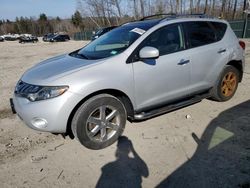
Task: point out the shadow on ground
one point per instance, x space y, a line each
222 158
126 171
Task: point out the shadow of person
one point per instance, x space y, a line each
222 158
126 171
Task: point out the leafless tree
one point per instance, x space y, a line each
117 4
223 4
206 7
177 6
191 6
136 15
244 5
234 11
142 8
108 12
198 6
213 7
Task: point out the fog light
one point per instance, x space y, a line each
39 123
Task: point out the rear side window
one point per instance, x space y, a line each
199 34
220 29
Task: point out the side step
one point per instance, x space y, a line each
170 107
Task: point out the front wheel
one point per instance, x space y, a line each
227 84
99 121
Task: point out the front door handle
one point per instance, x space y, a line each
183 62
222 51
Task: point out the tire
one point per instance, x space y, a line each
99 121
226 85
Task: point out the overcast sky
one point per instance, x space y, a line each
10 9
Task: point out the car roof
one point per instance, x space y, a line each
147 22
111 27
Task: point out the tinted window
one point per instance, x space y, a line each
199 34
220 29
167 40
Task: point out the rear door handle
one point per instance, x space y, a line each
222 51
183 62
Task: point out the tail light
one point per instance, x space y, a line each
242 44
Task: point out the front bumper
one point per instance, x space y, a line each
49 115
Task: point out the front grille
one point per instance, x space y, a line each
23 88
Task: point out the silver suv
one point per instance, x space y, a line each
137 71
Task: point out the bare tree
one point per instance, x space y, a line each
118 15
118 7
142 8
106 12
191 6
135 9
229 6
235 6
171 5
177 6
159 9
244 5
213 7
206 7
223 4
99 11
181 6
198 6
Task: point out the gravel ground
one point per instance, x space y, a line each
203 145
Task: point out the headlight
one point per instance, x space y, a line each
47 93
37 93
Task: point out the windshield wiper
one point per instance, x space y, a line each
81 56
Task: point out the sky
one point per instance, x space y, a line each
10 9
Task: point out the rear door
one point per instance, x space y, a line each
207 51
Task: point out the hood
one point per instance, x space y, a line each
54 68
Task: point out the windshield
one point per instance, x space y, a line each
114 42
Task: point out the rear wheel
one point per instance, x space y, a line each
99 121
227 84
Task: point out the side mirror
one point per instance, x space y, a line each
149 52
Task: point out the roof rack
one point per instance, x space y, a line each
169 16
173 15
195 15
157 15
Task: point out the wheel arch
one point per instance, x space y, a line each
239 66
116 93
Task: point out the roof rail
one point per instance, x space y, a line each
157 15
195 15
173 15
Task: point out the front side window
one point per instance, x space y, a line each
167 39
199 34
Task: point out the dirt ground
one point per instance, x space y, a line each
203 145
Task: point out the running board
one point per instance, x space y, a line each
170 107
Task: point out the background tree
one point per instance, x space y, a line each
77 20
93 14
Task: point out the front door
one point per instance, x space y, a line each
166 78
